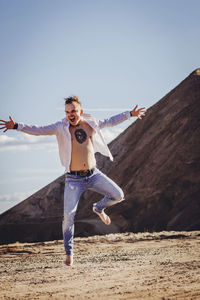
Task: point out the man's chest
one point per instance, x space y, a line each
81 135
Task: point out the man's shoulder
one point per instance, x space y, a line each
63 122
90 120
60 125
86 125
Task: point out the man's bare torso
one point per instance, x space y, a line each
82 157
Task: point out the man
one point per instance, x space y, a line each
79 137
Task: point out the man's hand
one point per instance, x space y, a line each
7 124
139 113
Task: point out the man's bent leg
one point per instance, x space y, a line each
72 192
102 184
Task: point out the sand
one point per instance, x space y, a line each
163 265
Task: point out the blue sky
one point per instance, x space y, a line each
112 54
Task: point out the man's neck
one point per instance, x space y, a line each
74 126
77 125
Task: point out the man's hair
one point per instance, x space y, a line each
71 99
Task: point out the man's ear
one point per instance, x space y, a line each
81 112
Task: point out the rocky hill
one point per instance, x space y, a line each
157 164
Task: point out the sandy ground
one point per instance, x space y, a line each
163 265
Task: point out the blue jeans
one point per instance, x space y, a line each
74 187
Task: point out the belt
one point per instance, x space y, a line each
82 173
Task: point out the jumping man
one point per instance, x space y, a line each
79 137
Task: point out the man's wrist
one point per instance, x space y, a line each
15 126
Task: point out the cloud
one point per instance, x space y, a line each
25 142
29 178
35 175
15 197
9 200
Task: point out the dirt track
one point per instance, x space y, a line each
162 265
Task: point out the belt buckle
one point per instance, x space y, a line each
83 173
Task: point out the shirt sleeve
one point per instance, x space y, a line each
38 130
114 120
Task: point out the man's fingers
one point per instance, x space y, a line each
5 130
135 107
11 119
140 116
3 127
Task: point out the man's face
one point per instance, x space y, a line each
73 113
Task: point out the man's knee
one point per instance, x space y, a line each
119 196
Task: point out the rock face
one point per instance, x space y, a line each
157 164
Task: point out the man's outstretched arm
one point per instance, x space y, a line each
115 120
29 129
